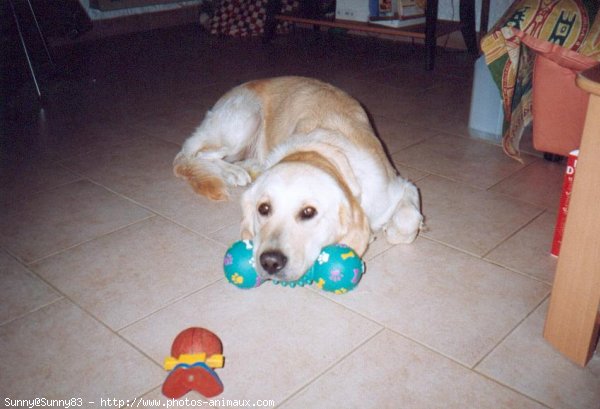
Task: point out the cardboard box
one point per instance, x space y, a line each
388 8
362 10
353 10
409 9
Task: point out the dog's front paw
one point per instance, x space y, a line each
252 166
235 175
180 164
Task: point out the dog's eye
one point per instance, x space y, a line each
308 213
264 209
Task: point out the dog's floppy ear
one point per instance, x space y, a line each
339 159
355 231
247 225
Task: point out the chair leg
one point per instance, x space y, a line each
39 30
26 51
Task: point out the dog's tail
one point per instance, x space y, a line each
202 175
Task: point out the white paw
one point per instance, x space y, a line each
404 226
252 166
236 176
394 236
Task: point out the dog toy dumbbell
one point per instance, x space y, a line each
338 268
194 355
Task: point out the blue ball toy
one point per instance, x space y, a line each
338 268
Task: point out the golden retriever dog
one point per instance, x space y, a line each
321 175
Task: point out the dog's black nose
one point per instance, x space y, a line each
273 261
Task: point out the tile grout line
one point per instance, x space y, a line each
514 270
150 209
439 352
29 195
415 341
508 237
92 316
169 304
460 182
538 305
473 369
465 252
115 332
59 297
512 174
65 249
330 367
491 351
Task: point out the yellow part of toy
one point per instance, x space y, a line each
213 361
237 279
348 255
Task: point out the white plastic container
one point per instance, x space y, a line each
486 115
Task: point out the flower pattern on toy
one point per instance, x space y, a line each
239 266
338 268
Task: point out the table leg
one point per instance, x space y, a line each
431 14
485 17
467 25
272 8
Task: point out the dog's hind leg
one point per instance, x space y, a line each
227 134
407 220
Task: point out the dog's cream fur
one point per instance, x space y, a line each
316 154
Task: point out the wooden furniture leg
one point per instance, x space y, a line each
467 25
467 28
271 9
572 322
485 17
431 14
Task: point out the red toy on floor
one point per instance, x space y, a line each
194 354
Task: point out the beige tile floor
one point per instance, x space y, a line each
105 256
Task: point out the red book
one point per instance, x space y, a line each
564 202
